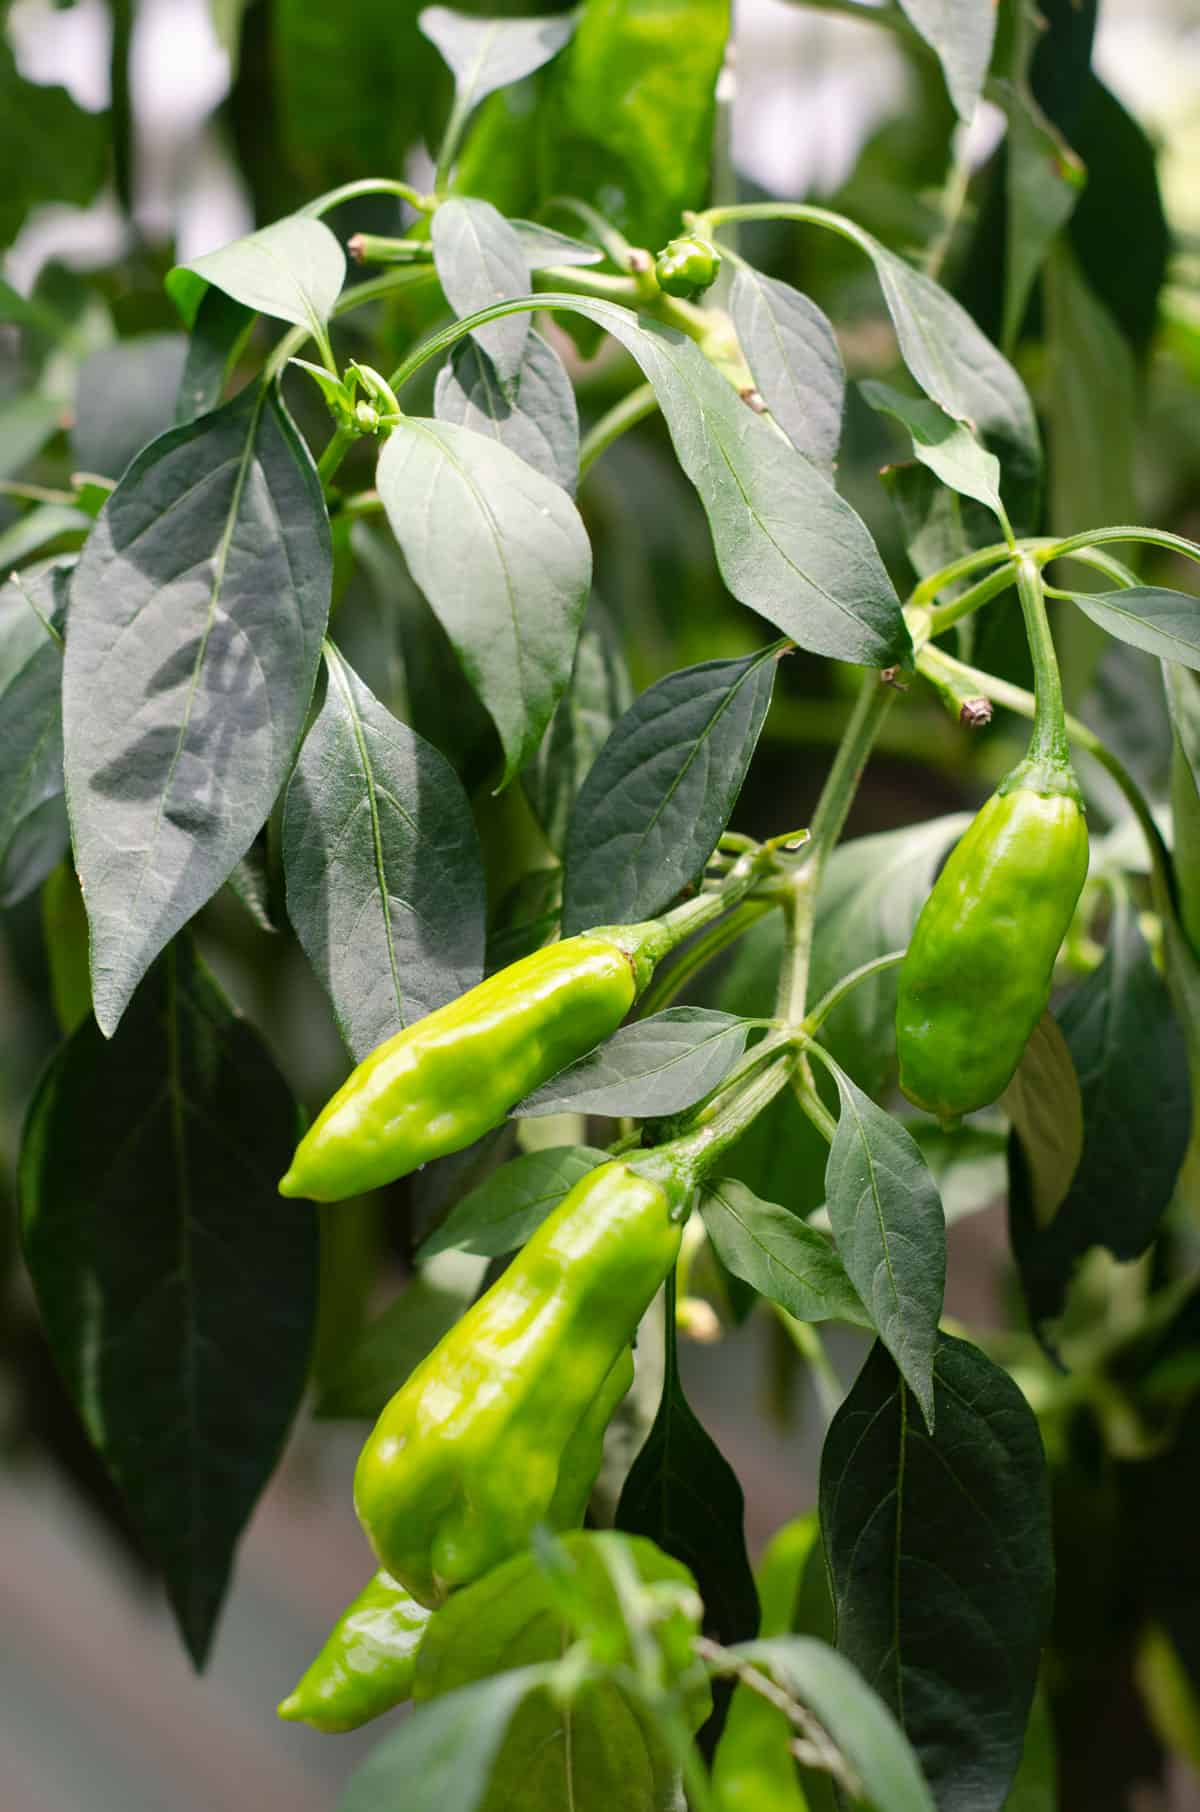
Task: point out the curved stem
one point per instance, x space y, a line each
339 444
623 415
814 1019
927 589
943 616
1016 698
369 185
1055 550
695 1153
1048 744
667 983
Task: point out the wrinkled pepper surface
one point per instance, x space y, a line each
367 1662
500 1426
444 1081
977 975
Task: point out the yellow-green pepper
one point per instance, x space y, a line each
447 1079
367 1662
977 975
499 1428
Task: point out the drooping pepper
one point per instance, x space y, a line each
448 1078
499 1428
367 1662
978 971
687 266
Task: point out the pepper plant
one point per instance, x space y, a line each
316 664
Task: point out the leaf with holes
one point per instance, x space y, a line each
197 611
653 806
177 1290
384 877
503 558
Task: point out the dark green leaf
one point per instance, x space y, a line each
660 793
860 1723
124 397
177 1290
526 918
790 347
397 1340
1091 401
534 416
628 120
442 1756
599 694
219 331
946 446
197 611
50 149
887 1219
504 1210
486 54
502 556
961 34
384 878
479 261
1043 183
655 1066
33 816
1165 623
292 270
684 1495
940 1558
779 1255
787 545
1129 1050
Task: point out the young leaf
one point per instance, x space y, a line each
505 1209
1130 1054
544 247
1045 1107
177 1290
949 449
384 878
443 1755
1165 623
33 816
779 1255
787 545
197 611
534 416
790 347
502 556
887 1219
684 1495
599 694
960 32
940 1558
292 270
650 812
860 1722
656 1066
486 54
480 261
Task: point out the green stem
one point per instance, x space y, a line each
695 1153
375 289
816 1109
1055 550
943 616
370 185
927 590
667 983
339 444
456 125
624 415
375 248
748 871
578 280
814 1019
1048 745
1016 698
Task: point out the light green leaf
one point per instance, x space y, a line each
961 34
480 260
486 54
292 270
779 1255
946 446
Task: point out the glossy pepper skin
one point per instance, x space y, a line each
977 975
447 1079
499 1427
687 266
367 1662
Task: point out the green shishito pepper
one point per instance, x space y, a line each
367 1662
499 1428
686 266
977 975
447 1079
